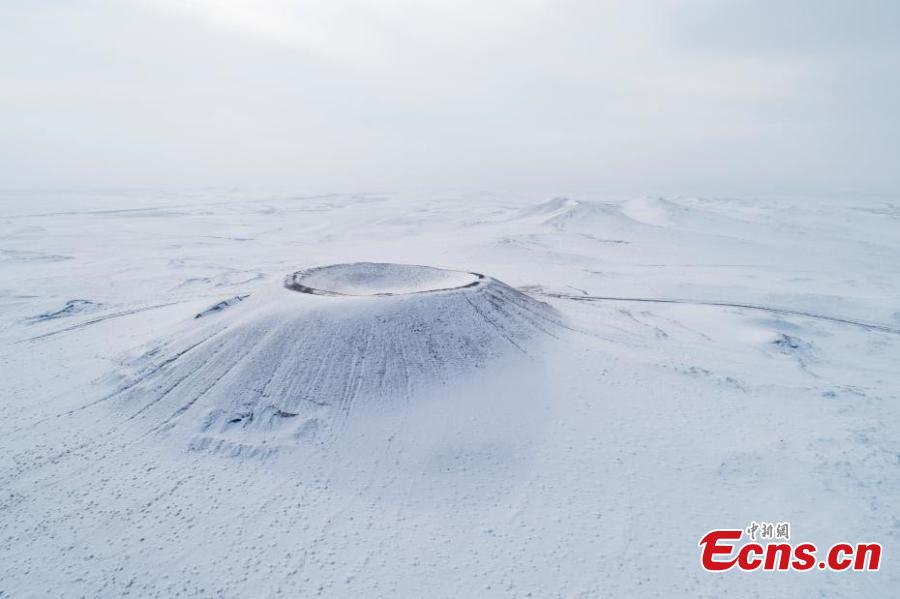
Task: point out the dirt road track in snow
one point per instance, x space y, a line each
98 319
657 300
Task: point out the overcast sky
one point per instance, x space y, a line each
692 96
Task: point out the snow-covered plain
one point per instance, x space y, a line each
695 364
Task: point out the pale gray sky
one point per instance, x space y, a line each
661 96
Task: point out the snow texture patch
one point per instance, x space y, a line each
71 307
216 308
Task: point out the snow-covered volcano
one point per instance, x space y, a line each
436 433
291 362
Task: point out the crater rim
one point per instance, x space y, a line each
379 279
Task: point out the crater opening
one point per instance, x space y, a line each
378 279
